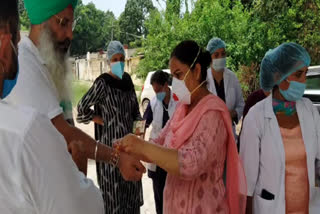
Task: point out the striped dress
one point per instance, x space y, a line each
116 102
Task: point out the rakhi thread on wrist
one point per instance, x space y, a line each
115 156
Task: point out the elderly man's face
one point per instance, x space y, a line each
61 28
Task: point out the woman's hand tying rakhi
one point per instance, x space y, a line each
134 146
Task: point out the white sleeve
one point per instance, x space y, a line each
54 183
316 118
35 90
250 150
239 99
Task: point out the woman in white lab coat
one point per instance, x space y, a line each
280 138
222 82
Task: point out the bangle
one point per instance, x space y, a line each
96 151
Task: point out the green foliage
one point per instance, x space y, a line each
248 78
94 29
79 89
24 20
292 20
249 27
228 21
131 21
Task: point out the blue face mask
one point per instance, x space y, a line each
117 69
8 85
161 96
294 92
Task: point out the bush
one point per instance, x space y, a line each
248 78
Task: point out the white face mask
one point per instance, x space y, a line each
180 89
219 64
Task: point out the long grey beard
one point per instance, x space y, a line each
57 63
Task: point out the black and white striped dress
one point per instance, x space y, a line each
116 102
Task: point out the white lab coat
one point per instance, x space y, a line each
157 111
232 90
263 155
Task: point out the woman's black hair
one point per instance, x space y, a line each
160 77
187 51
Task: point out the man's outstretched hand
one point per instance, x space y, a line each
130 167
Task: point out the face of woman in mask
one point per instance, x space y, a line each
117 65
219 60
183 75
293 87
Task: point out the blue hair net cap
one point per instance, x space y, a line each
281 62
115 47
215 44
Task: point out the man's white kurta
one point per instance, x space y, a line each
34 87
37 174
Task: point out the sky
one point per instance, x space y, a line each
116 6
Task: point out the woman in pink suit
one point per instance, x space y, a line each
196 143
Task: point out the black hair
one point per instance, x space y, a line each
9 15
187 51
160 77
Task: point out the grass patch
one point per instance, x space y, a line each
79 88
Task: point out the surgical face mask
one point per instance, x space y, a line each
117 69
294 92
219 64
161 96
8 85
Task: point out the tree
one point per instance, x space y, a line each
166 30
24 19
94 29
173 8
132 20
249 27
291 20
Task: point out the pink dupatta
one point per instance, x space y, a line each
183 126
